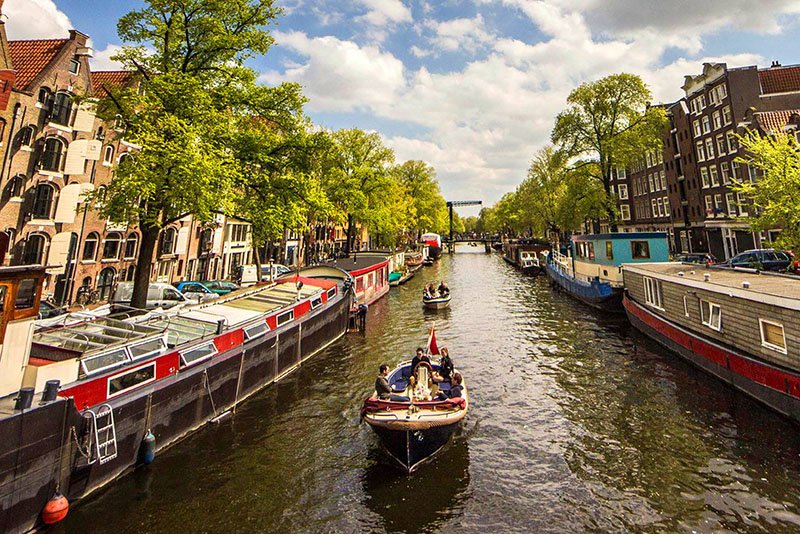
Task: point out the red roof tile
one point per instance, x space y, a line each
775 121
30 58
780 79
104 79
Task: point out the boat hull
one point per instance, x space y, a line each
411 448
776 387
600 296
436 304
171 408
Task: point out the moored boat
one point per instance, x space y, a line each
370 272
738 325
592 272
525 254
417 420
118 389
433 242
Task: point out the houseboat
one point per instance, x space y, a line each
83 402
526 254
741 326
432 244
591 270
370 272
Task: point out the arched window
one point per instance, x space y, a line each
206 240
111 246
131 244
43 201
34 250
101 194
122 157
26 136
108 154
168 241
13 188
105 282
130 273
90 247
62 108
53 154
86 282
45 96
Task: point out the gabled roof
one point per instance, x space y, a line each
103 80
30 58
775 121
780 79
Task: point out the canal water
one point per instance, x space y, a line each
577 422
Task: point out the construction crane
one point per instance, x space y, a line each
456 204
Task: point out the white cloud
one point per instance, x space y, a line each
385 12
465 33
420 52
102 58
35 19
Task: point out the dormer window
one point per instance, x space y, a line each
74 66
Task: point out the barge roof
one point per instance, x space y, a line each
361 261
727 280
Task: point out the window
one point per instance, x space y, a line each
74 66
718 204
256 330
237 232
717 119
131 244
663 177
198 353
105 282
652 292
26 136
731 204
726 173
621 174
722 147
711 315
701 102
706 124
103 362
623 192
62 109
697 130
111 246
316 302
610 250
772 336
723 90
733 145
45 97
122 157
625 212
52 155
660 204
709 205
108 155
168 240
727 118
284 318
742 206
640 250
331 293
14 187
685 297
42 201
704 176
654 207
90 247
752 173
666 206
26 294
147 348
714 176
701 151
709 148
134 378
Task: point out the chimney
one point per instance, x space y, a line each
775 63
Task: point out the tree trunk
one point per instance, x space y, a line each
256 254
141 280
348 244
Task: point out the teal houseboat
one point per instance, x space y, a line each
591 271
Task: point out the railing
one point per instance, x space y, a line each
562 263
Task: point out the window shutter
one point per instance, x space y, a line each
76 157
93 149
84 118
68 203
59 252
183 240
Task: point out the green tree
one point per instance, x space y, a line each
776 194
608 124
189 56
430 209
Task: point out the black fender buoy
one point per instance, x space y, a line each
147 450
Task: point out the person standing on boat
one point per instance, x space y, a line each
383 389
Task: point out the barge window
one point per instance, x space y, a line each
284 318
652 292
101 362
26 294
256 330
133 378
316 302
640 250
610 250
772 336
711 315
331 293
148 348
199 353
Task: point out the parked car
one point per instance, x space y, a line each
221 287
696 257
159 295
766 259
246 274
196 291
48 310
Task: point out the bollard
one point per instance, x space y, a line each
24 399
50 390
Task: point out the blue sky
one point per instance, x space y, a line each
470 86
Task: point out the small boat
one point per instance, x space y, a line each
428 261
436 302
524 254
394 278
433 243
413 430
402 279
414 260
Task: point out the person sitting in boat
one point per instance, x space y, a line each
455 391
383 389
445 364
443 289
419 357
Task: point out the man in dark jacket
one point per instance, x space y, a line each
383 389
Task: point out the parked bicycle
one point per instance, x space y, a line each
86 295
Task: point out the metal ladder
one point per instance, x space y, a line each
104 434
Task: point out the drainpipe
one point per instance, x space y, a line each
7 152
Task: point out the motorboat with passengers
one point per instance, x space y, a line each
427 402
435 298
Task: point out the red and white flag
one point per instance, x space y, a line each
433 348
